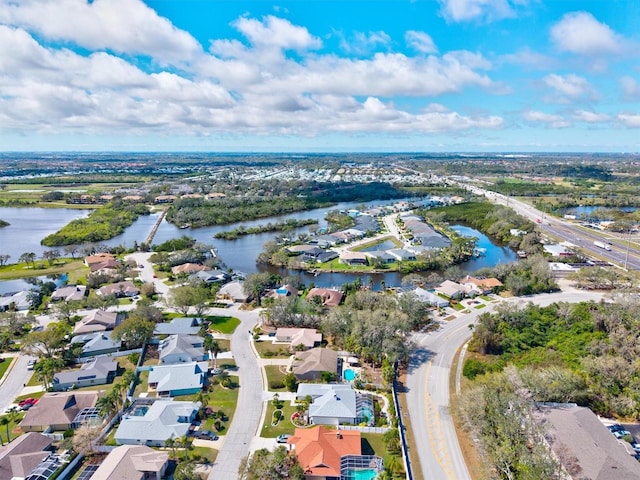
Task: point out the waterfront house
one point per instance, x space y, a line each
69 293
329 296
451 289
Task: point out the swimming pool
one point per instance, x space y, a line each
362 474
349 375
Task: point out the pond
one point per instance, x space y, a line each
493 254
12 286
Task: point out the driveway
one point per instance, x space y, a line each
146 272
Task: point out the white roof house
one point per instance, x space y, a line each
308 337
97 343
183 325
161 420
133 462
335 404
451 289
430 297
102 369
19 301
177 379
181 349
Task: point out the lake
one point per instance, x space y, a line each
33 224
29 226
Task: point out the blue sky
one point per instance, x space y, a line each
370 75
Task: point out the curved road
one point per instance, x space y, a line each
428 387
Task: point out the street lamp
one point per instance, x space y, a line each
626 257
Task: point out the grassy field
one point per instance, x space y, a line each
274 375
4 366
277 350
285 425
372 444
224 399
11 430
226 325
75 268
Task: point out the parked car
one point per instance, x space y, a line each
27 401
26 406
205 435
284 438
31 364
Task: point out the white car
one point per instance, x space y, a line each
31 364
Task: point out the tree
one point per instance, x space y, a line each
291 382
84 437
45 343
171 443
107 405
4 259
28 258
134 331
64 311
51 256
187 296
257 283
71 250
185 470
4 421
46 369
15 322
211 345
278 464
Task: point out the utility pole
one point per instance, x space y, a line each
626 257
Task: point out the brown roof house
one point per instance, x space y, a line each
57 411
133 462
307 337
330 298
310 364
188 268
20 457
325 453
120 289
585 447
98 321
481 285
101 261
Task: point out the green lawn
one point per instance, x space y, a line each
372 444
273 375
12 427
143 383
457 306
4 366
224 399
75 268
285 425
221 324
203 452
269 349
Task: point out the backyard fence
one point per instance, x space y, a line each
403 433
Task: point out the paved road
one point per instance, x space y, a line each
146 272
428 388
14 382
246 420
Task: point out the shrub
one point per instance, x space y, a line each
276 385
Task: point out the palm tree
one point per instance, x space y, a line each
106 405
203 398
213 347
171 443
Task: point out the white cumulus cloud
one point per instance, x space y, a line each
631 120
590 117
549 119
420 41
567 88
581 33
482 10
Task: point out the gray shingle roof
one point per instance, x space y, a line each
165 418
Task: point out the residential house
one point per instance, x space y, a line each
98 321
152 425
311 256
23 454
401 254
430 298
58 411
353 258
188 268
96 343
133 462
306 337
99 371
327 256
165 199
177 379
322 453
99 261
578 437
309 365
179 326
211 276
69 293
182 349
336 404
300 249
214 195
16 301
233 291
382 256
329 297
451 289
133 198
120 289
483 286
558 250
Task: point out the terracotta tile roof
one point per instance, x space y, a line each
319 449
